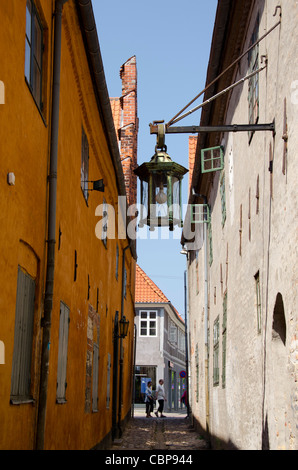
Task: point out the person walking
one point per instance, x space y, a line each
149 400
160 396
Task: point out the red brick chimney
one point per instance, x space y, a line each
125 112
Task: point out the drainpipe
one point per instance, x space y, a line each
121 344
51 241
134 372
205 311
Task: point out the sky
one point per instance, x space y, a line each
171 40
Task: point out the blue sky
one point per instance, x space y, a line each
171 40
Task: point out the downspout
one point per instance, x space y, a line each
205 312
51 241
121 344
134 371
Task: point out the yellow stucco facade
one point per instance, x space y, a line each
88 271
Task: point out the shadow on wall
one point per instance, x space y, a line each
215 443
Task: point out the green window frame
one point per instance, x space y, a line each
199 213
253 83
210 243
223 198
34 48
212 159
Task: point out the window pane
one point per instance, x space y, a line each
36 83
152 314
143 314
37 41
152 331
85 165
27 61
28 20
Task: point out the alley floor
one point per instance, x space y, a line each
172 433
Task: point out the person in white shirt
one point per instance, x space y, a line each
160 396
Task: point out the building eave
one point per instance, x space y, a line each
227 42
92 47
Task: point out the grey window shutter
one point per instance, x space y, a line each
62 353
23 338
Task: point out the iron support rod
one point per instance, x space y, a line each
219 76
239 82
223 128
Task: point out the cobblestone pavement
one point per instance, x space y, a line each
171 433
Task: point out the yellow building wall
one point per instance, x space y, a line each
25 143
23 151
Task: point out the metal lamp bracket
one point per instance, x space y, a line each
161 135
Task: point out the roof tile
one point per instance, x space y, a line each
146 290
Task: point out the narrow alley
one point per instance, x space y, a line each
172 433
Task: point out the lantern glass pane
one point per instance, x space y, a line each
176 198
160 188
144 193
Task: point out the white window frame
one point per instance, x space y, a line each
147 320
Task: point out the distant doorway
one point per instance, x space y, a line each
142 375
279 366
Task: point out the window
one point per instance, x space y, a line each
253 83
223 198
23 338
34 52
181 340
216 352
258 300
200 213
148 323
85 165
212 159
173 333
210 244
62 353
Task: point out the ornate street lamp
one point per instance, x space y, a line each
123 327
161 180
